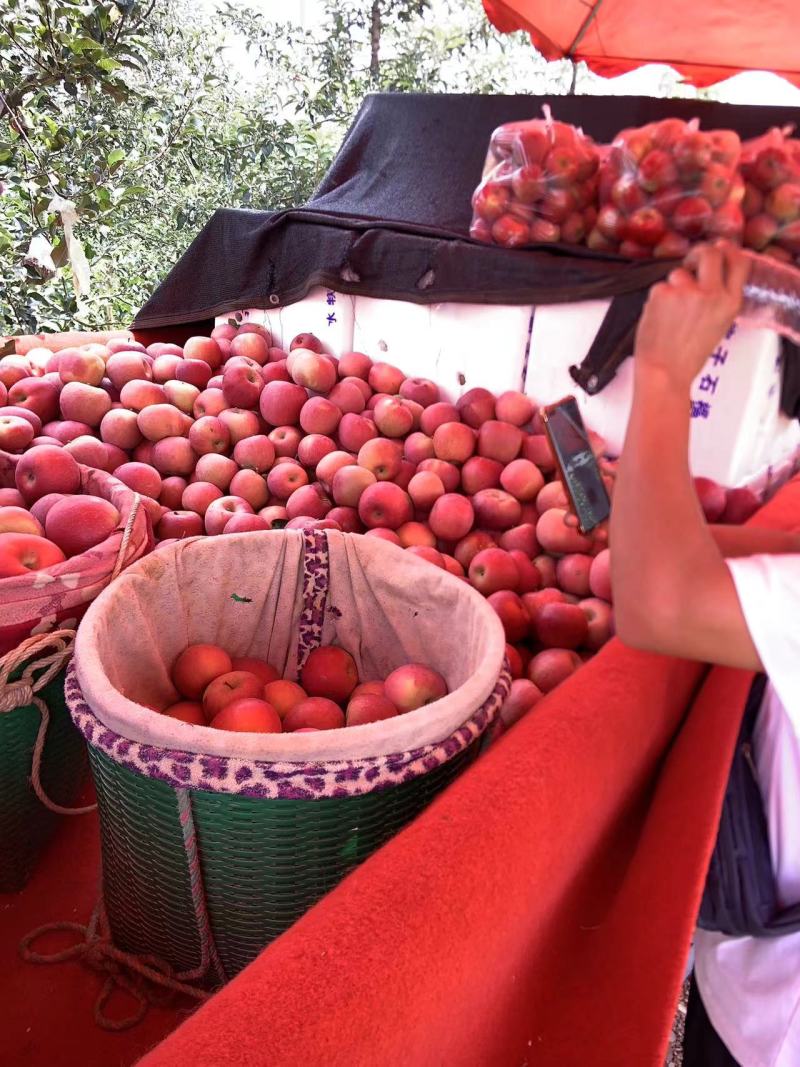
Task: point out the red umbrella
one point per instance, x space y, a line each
705 41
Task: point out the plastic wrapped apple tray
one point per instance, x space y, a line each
279 817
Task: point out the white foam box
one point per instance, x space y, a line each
325 313
738 432
459 346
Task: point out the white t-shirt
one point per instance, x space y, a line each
751 986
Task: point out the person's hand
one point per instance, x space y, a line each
687 315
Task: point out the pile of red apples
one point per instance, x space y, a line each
230 434
248 695
45 519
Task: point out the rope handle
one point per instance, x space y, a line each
22 692
145 978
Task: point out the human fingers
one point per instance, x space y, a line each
680 278
708 262
737 269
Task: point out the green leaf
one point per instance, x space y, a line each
116 156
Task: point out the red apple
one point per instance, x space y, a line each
521 538
46 469
120 428
75 365
711 497
172 490
425 488
385 504
313 448
393 417
692 216
521 698
306 340
215 469
347 397
383 534
79 523
21 553
437 415
308 501
204 349
244 523
454 442
174 456
209 434
600 575
491 200
273 514
329 671
496 510
381 456
452 517
13 498
36 395
493 569
219 512
242 385
355 365
285 440
251 487
447 472
740 504
176 525
317 713
349 483
255 453
369 707
551 667
251 345
15 519
164 367
248 714
123 367
355 431
555 536
275 372
188 711
319 416
285 478
197 496
15 433
282 402
469 546
475 407
600 620
572 573
224 689
141 478
512 613
413 686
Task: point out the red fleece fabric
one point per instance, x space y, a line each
539 912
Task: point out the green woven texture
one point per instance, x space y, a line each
265 862
25 824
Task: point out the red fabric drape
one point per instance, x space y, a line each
706 42
539 912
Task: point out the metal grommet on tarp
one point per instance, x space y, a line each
274 299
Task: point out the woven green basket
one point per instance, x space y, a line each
287 853
26 825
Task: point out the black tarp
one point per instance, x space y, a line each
391 220
391 217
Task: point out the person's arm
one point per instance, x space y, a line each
673 592
734 542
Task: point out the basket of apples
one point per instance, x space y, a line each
539 185
263 711
666 185
65 530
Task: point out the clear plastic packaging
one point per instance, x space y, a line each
771 171
664 186
772 296
539 185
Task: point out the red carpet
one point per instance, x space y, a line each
48 1011
538 913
